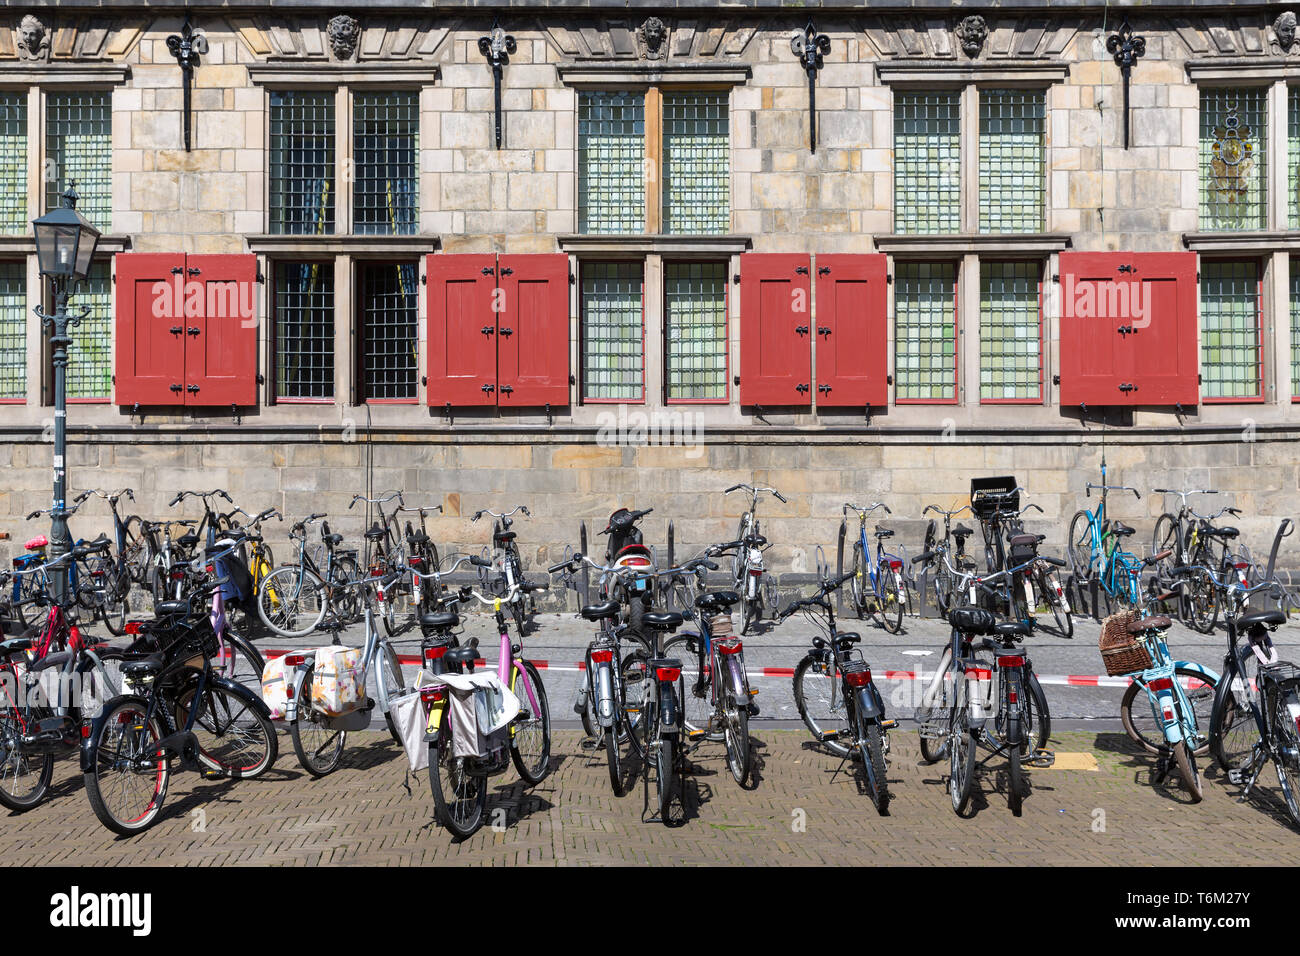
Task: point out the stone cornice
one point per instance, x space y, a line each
296 73
1237 242
620 73
1036 244
922 71
63 74
419 244
726 245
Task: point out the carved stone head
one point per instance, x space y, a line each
1284 29
33 39
652 34
343 32
971 34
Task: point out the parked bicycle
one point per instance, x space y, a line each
1209 546
383 554
113 576
511 565
836 697
877 584
422 556
295 599
748 572
952 543
1095 549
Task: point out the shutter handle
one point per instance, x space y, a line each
801 329
175 387
823 270
193 330
1125 330
824 388
823 330
177 330
507 389
192 389
488 270
1127 387
488 329
801 387
178 270
507 332
507 271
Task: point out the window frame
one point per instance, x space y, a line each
272 337
957 382
359 264
21 263
583 398
1260 397
1041 398
726 331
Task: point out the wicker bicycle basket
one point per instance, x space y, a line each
1122 652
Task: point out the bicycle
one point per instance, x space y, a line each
260 558
1040 581
512 568
175 708
318 736
384 553
836 697
749 576
1171 531
459 782
422 555
294 599
1257 704
1199 598
943 578
876 585
39 722
114 576
169 558
1094 549
212 522
611 692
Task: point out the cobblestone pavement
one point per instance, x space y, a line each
799 812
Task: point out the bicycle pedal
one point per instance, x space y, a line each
889 725
209 774
1042 758
589 743
1236 777
695 734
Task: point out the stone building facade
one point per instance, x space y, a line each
345 153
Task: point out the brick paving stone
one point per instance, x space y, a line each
364 815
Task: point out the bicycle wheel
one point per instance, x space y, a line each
961 758
859 583
1233 731
696 685
1287 762
943 585
390 672
891 598
136 551
750 613
736 735
1050 584
666 776
128 782
820 703
291 601
683 593
459 797
517 612
1201 601
1015 781
116 606
1165 538
873 763
614 758
934 749
235 740
1079 545
240 661
1142 726
635 671
24 778
344 601
319 748
1188 772
530 740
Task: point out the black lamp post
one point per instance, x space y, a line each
65 247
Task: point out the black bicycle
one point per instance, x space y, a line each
837 698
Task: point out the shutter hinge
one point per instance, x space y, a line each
1056 380
1056 277
735 279
261 379
424 280
260 278
889 279
549 419
234 413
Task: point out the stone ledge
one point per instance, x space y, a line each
80 74
912 246
602 73
726 245
1021 72
1241 71
268 244
1236 242
387 74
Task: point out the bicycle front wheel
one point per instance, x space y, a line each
319 748
390 672
1079 544
736 734
1165 538
1287 761
873 763
892 598
291 601
696 685
820 702
1234 733
128 782
530 739
860 582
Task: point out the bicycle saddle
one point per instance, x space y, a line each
15 645
1026 540
717 600
504 536
662 620
1155 622
374 532
1228 532
849 637
883 532
599 612
417 537
333 538
462 655
168 608
1120 530
145 665
1267 618
972 620
439 620
961 531
1013 628
188 540
757 541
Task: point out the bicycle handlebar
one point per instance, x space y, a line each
947 514
378 501
863 512
1137 494
818 599
487 511
756 491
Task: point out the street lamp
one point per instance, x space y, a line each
65 247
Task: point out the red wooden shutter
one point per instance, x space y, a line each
1129 319
149 354
533 331
221 330
461 332
852 330
775 329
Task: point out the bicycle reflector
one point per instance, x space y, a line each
133 627
1162 683
178 575
435 652
732 646
668 673
210 569
1011 662
896 565
294 660
602 657
858 678
433 695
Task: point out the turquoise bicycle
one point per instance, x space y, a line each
1095 549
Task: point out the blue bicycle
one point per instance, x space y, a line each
1095 549
877 585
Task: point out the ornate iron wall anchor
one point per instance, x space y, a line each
810 47
1126 48
497 47
187 48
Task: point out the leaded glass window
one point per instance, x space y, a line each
696 161
79 146
1295 329
302 162
389 330
1010 346
1233 159
927 162
1293 155
13 162
695 329
13 330
304 330
386 142
1013 165
90 356
1230 334
611 159
613 331
925 331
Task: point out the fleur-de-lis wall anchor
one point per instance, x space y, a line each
187 47
810 46
1126 48
497 47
